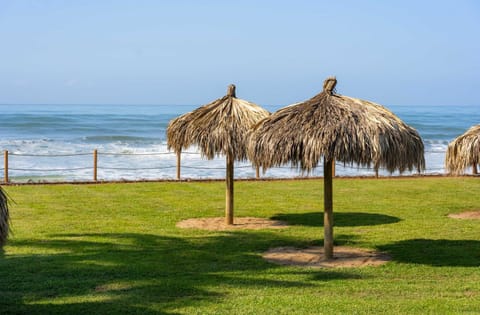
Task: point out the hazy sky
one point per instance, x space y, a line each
405 52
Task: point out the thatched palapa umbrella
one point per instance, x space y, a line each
218 128
336 128
464 152
4 218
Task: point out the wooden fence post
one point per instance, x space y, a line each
5 178
179 158
95 160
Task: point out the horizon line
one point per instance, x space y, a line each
151 104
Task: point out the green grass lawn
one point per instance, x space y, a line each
114 248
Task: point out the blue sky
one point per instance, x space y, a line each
276 52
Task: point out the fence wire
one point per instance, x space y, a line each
50 169
136 168
95 167
48 155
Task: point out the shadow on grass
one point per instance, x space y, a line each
339 218
455 253
138 273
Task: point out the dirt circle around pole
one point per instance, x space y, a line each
467 215
240 223
344 257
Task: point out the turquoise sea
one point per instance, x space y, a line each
56 142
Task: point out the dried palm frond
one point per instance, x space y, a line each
464 152
338 128
4 218
218 128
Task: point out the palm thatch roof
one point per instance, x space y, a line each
4 218
218 128
464 151
339 128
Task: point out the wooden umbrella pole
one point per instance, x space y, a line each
179 158
474 169
229 191
328 209
95 163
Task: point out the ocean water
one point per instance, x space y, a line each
56 142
